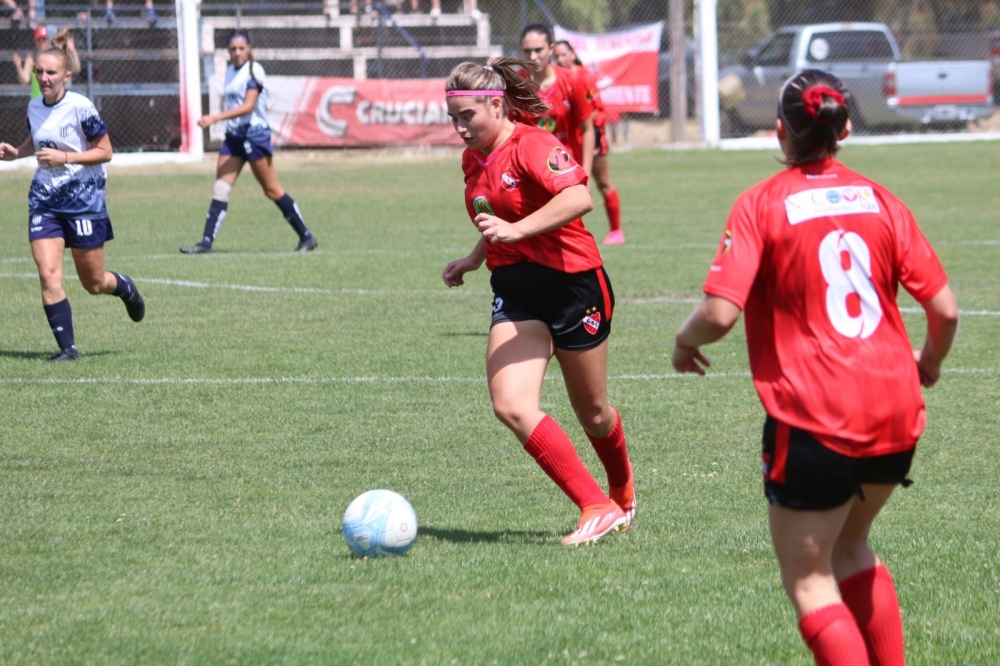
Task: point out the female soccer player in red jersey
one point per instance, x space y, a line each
552 297
570 113
814 256
566 57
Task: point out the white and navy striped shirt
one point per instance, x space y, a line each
238 81
69 125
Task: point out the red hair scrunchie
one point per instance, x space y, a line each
812 99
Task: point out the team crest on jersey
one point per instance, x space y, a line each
592 321
508 181
559 160
547 124
481 205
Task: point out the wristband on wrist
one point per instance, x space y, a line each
66 157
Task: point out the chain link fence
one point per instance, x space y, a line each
130 62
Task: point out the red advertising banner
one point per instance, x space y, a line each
339 112
626 63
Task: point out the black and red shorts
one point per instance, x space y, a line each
801 473
577 307
600 141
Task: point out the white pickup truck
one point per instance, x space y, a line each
888 92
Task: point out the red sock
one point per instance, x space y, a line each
552 449
614 209
871 597
613 453
834 638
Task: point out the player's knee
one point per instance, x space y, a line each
511 414
597 420
93 287
852 552
221 189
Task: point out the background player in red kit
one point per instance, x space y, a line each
570 113
814 256
552 297
566 57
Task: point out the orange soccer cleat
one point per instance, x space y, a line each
595 522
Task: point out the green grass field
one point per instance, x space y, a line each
176 495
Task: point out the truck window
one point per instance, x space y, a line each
776 52
847 46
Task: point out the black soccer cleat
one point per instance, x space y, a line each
307 244
134 305
68 354
200 248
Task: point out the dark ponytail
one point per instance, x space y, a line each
244 34
814 107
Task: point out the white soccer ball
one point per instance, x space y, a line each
379 523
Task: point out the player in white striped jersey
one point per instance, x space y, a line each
66 205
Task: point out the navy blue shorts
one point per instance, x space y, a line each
577 307
249 150
800 473
81 230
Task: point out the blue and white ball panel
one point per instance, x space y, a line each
379 523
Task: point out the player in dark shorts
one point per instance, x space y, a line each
552 298
66 201
247 141
814 256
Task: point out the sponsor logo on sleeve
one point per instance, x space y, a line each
559 160
727 242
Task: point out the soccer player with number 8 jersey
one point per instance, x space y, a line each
813 257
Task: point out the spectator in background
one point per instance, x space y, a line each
414 6
16 13
148 10
25 67
566 57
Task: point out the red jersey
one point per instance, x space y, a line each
814 256
515 180
588 81
569 107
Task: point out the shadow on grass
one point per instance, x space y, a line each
468 536
10 353
42 356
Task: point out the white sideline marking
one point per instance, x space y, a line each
468 292
387 380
